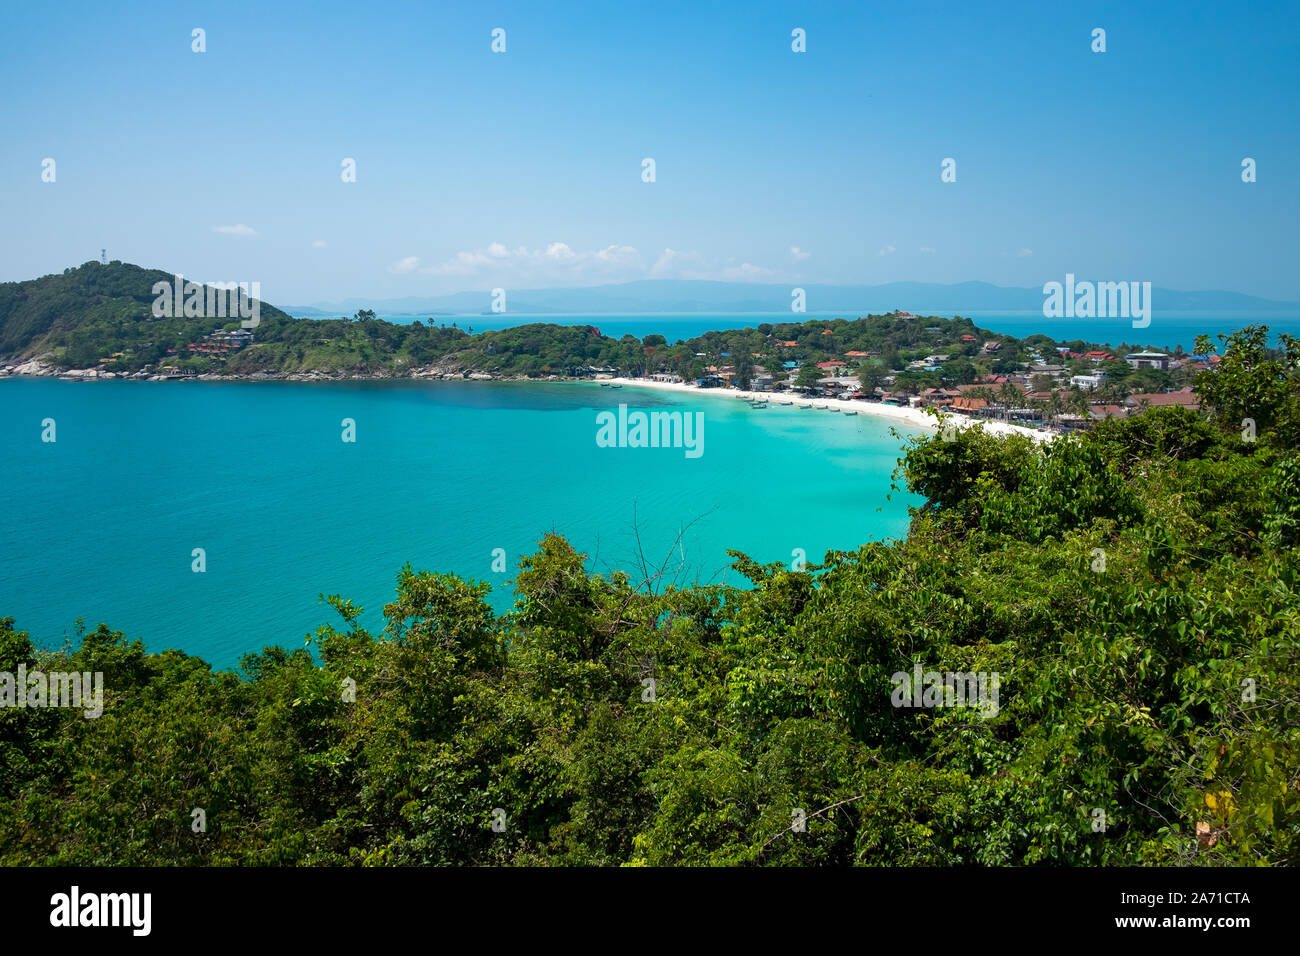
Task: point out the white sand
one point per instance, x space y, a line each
914 417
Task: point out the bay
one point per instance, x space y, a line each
102 523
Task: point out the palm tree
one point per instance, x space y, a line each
984 394
1055 405
1009 395
1079 403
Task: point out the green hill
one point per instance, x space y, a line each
89 313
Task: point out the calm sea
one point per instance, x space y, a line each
102 523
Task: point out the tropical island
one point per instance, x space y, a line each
96 322
1128 594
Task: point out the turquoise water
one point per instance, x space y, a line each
101 524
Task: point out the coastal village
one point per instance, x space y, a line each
1043 387
218 345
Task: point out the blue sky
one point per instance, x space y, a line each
523 169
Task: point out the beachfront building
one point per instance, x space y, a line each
968 406
592 371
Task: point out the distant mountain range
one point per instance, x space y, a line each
655 296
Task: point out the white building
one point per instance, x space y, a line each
1148 360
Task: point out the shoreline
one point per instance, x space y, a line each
912 417
907 416
34 368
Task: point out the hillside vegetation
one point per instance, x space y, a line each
1134 588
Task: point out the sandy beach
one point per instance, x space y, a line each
914 417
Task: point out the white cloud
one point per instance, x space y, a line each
559 263
318 244
887 251
237 230
746 272
463 263
402 266
557 260
664 264
618 254
676 264
927 250
1024 252
798 254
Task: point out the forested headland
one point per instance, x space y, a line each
100 316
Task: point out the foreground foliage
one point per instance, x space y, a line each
1134 588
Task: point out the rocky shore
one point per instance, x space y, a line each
43 368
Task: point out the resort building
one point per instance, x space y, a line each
236 338
1184 397
1092 381
1148 360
